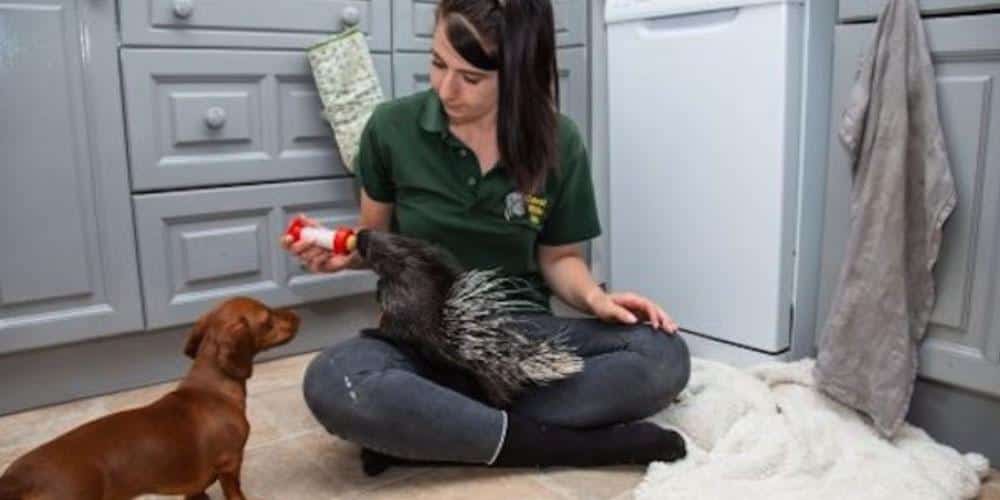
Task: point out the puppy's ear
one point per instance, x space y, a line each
195 336
236 350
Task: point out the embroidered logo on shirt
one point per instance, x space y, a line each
536 208
514 205
518 205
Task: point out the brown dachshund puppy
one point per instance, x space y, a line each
179 444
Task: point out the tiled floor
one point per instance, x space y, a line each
289 457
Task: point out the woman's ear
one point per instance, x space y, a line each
195 337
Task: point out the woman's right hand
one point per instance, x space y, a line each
313 257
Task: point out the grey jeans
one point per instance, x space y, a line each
384 396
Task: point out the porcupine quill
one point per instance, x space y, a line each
465 319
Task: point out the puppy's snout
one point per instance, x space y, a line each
290 319
287 320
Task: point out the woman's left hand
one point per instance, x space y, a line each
628 307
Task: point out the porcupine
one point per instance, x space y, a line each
464 319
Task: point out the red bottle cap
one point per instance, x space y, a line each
340 240
295 229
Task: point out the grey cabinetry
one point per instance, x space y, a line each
227 143
854 10
199 247
291 24
412 74
571 22
207 117
153 151
574 95
413 23
67 254
963 343
110 228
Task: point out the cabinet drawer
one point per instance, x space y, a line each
199 247
414 23
859 10
252 23
210 117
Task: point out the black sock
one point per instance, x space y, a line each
531 444
374 463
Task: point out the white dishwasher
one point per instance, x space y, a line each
703 130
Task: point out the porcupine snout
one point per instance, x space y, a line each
363 240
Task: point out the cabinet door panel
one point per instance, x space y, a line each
67 254
962 346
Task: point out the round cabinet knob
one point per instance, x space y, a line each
350 16
215 118
183 8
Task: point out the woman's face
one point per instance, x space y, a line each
468 93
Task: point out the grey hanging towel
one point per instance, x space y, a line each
902 195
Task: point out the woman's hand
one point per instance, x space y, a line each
315 258
627 308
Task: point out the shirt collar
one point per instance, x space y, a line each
433 118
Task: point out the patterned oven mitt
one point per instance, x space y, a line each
348 87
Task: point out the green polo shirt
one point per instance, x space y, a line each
409 158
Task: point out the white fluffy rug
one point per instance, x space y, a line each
767 433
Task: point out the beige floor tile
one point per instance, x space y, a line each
31 428
279 374
275 402
282 470
627 495
340 460
263 430
991 488
593 484
290 457
312 466
8 455
461 483
989 493
287 409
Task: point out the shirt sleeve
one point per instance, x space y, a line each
375 173
573 217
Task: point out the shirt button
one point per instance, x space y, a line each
472 181
462 152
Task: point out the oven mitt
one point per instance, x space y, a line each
348 87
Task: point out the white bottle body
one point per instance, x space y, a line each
318 236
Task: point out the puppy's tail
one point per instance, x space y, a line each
14 488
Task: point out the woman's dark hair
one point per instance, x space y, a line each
516 37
